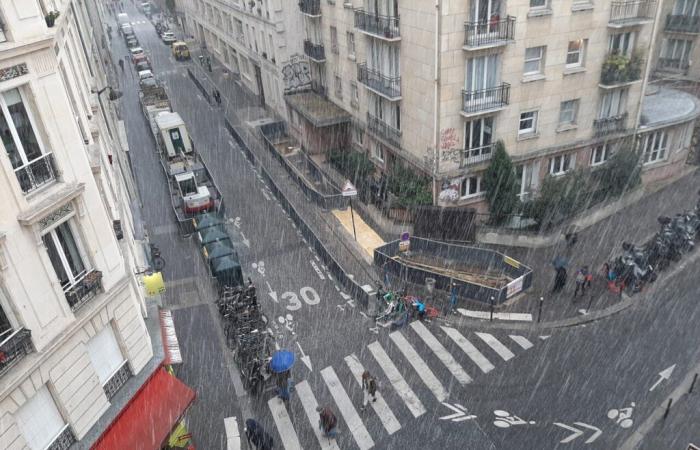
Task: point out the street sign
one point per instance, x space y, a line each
349 189
405 242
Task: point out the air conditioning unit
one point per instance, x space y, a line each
117 225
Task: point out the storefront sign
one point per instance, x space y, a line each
511 262
514 287
154 284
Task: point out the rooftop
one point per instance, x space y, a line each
317 109
664 106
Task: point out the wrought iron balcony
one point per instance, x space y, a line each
387 86
63 441
471 156
489 33
381 26
683 23
13 347
384 130
675 64
310 7
610 125
631 12
314 51
485 99
36 173
117 380
84 290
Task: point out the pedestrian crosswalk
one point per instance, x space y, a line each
409 380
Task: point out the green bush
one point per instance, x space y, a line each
409 188
355 166
501 185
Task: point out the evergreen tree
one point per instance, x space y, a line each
501 184
170 4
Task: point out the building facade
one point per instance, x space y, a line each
676 47
71 311
251 38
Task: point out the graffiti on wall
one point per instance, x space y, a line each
296 73
448 139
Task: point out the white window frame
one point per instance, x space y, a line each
544 5
466 183
532 129
105 353
334 39
580 54
569 107
378 152
51 232
484 138
561 164
350 37
338 85
627 42
655 147
13 128
613 103
354 94
600 154
542 49
39 419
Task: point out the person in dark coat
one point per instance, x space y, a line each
256 435
559 280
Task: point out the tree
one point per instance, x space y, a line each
170 4
501 184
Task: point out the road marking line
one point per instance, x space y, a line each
233 436
441 352
496 345
391 424
308 401
521 317
397 380
420 366
467 347
521 341
289 437
347 409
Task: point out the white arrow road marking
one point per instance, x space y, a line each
577 432
460 414
246 242
306 359
544 338
663 375
271 293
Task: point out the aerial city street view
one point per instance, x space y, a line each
349 224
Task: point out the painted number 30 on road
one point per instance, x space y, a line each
308 294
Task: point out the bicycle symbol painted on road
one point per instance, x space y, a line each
622 416
260 267
505 420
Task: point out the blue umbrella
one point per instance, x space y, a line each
282 361
560 262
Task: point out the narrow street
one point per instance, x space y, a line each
441 387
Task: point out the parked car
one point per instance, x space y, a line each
180 51
136 51
132 42
145 74
148 82
142 65
140 58
169 37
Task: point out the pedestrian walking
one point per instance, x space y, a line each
284 385
256 435
453 299
559 280
580 283
327 422
217 96
589 277
121 64
369 389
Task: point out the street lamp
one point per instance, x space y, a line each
114 94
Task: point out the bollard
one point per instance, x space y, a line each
668 408
590 302
539 310
692 385
491 302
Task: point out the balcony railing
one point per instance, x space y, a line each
491 32
36 173
628 12
310 7
683 23
63 441
84 290
476 155
117 380
673 64
618 69
382 26
14 347
385 85
314 51
610 125
485 99
383 129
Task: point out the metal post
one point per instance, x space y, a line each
692 385
668 408
539 310
590 302
352 216
492 300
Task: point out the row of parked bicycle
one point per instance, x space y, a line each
639 264
246 331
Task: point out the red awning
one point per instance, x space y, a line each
146 421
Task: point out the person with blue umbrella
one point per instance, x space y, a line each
281 365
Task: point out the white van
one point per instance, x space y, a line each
122 18
127 30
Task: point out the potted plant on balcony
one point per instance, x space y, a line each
619 68
51 17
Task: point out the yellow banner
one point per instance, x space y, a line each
154 284
511 262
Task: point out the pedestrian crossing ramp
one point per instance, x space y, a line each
417 369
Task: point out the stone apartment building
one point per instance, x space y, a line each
251 38
677 56
72 332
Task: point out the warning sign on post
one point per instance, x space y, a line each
349 189
405 242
